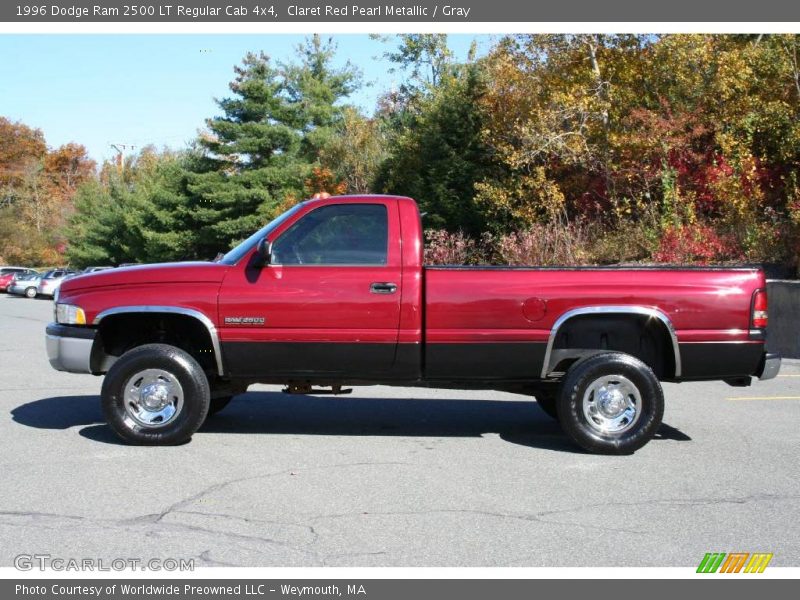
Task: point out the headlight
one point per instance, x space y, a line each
67 314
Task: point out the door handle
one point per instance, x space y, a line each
383 288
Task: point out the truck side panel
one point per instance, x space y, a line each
500 320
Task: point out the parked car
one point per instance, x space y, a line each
51 281
334 293
7 275
25 285
87 271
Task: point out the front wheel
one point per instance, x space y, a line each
611 403
31 292
155 394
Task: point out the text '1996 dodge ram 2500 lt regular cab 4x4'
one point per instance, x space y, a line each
334 292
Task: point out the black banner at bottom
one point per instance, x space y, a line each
393 589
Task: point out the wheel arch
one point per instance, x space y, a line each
195 315
640 312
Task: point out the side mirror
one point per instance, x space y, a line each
264 251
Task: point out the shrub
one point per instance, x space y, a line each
696 243
545 244
444 248
627 242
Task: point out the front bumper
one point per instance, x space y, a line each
772 364
69 348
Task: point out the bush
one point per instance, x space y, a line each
444 248
696 243
545 245
628 242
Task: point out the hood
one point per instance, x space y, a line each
174 273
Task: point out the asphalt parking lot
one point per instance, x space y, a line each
390 476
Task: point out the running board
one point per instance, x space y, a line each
307 388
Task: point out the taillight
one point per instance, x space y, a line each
760 309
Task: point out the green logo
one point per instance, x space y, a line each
734 562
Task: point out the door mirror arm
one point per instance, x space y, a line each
264 251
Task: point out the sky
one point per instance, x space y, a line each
98 90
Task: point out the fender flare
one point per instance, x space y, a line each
650 312
174 310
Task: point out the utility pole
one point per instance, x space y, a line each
120 150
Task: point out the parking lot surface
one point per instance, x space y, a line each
390 476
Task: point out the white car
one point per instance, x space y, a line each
51 281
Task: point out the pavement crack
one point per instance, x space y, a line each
542 516
180 504
205 558
329 557
531 517
676 502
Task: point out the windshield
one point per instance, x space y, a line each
235 255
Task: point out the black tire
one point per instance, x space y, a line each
31 292
185 378
217 404
621 371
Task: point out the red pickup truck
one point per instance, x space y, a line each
334 293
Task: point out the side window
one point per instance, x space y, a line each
339 234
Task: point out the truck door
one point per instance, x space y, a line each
329 302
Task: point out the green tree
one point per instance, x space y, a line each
256 157
316 90
439 160
426 58
135 214
356 152
246 162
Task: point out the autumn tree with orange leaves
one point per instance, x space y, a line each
37 187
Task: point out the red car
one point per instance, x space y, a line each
7 275
334 293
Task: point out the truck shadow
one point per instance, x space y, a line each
518 422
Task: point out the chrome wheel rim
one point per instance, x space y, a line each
153 398
612 404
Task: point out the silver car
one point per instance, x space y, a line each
51 281
94 269
25 285
87 271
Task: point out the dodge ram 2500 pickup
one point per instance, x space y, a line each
334 293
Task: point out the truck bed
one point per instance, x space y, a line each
500 322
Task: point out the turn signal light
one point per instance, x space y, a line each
760 309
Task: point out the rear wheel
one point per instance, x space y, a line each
155 394
611 403
30 292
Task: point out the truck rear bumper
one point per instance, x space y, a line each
772 364
70 348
